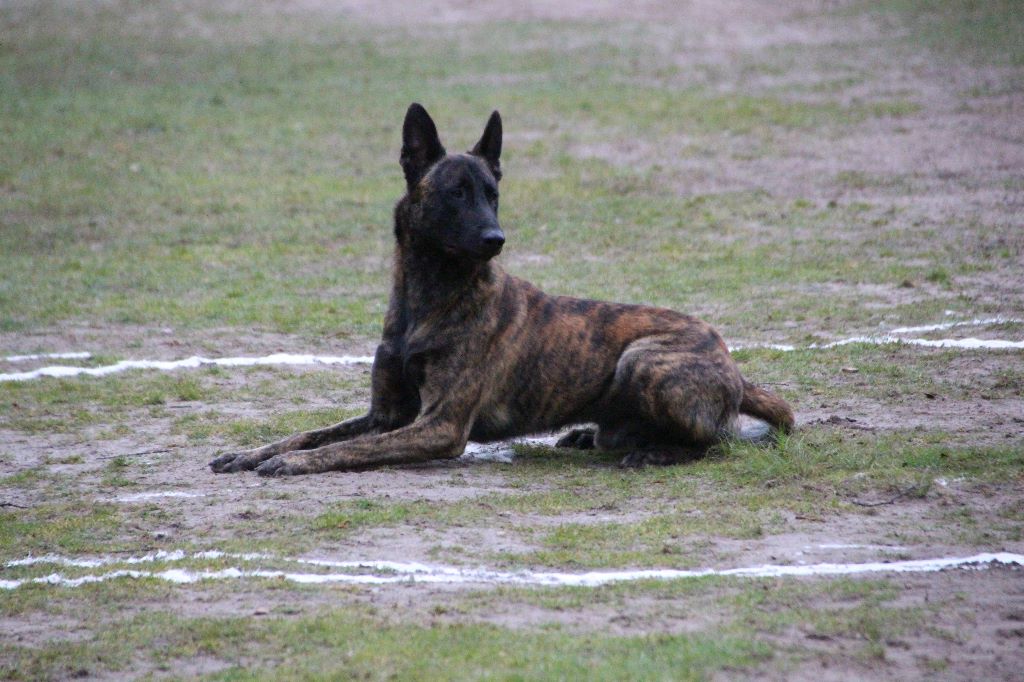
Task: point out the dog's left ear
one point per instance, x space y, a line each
489 146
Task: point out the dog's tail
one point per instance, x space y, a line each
767 407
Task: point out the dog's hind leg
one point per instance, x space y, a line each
661 456
645 444
675 402
578 439
635 439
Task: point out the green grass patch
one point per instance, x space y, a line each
359 513
884 373
339 642
251 432
306 640
66 405
860 612
579 511
983 30
71 528
24 478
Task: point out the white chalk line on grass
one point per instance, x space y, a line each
390 572
893 338
159 555
976 322
156 495
888 339
193 362
47 356
196 361
967 344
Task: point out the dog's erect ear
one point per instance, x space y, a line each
489 146
421 147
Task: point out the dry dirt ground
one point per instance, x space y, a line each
958 155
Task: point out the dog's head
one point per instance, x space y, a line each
454 196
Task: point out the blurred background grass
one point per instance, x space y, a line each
194 165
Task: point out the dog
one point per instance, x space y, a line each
472 353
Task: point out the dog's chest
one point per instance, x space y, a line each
498 417
493 422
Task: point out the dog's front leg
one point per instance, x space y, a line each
393 404
423 440
451 398
249 459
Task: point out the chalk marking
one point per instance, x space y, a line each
143 497
408 572
785 347
305 359
840 545
193 362
892 338
976 322
48 356
159 555
967 344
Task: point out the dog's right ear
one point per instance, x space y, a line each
421 147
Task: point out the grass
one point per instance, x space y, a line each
73 528
367 513
229 174
310 639
989 32
184 186
337 643
250 432
573 508
76 405
599 516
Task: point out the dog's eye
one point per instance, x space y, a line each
457 193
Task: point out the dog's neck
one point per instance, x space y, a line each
426 290
428 279
428 285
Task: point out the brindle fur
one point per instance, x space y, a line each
472 353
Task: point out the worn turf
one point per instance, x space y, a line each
179 179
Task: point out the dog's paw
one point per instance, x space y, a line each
288 464
580 439
634 460
655 457
662 456
232 462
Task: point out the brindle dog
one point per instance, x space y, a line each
472 353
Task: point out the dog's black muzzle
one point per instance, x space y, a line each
491 242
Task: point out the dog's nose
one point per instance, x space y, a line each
493 239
